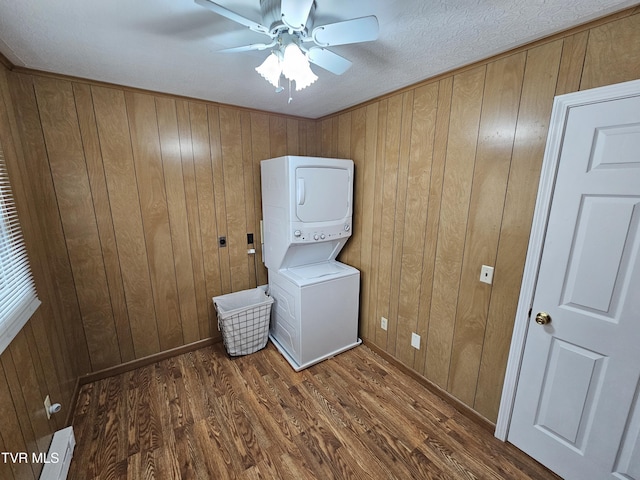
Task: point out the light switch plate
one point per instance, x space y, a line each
486 274
415 340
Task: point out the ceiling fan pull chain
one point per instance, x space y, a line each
290 97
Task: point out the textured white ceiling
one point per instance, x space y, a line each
171 45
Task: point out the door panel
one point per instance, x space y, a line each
577 389
569 392
596 269
616 147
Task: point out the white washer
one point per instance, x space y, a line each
315 313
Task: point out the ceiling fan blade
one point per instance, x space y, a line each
364 29
328 60
247 48
295 13
225 12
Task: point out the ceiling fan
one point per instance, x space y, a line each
295 40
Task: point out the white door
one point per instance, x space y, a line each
577 405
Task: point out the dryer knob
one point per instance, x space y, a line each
322 236
346 227
316 237
297 233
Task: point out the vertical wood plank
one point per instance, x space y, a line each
500 104
12 433
66 160
6 471
293 139
211 199
538 89
425 105
441 133
170 147
357 154
387 224
326 132
261 147
21 409
102 209
233 177
46 368
380 337
141 109
249 196
403 153
278 136
115 142
37 353
26 385
193 217
344 136
205 136
466 105
572 62
368 321
344 150
612 54
313 139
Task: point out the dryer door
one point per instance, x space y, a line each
323 194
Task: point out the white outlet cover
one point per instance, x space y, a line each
384 323
486 274
415 341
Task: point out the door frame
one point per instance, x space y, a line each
561 107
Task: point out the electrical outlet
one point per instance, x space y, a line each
384 323
486 274
47 406
415 341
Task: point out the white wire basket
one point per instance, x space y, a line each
243 319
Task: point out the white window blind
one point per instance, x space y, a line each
18 298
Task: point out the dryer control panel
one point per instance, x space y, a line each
333 232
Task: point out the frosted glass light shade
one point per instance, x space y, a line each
295 66
270 70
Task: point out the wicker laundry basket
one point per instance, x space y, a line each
243 319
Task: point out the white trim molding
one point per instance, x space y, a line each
561 107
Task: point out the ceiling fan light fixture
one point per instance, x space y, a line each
290 24
305 78
270 70
295 66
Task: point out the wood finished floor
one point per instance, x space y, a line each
203 415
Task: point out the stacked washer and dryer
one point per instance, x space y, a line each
307 211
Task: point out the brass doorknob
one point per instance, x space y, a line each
543 318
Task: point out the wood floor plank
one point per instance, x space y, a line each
205 415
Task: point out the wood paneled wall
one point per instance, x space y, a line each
122 195
446 179
50 351
142 186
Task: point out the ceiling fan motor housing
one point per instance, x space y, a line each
272 16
